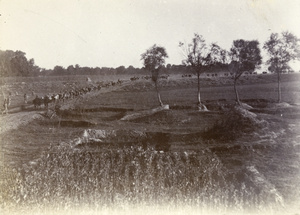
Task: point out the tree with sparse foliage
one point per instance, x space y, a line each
243 56
200 58
282 49
154 60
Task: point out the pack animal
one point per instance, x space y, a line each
38 102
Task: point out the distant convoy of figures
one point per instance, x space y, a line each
210 74
44 101
147 77
38 102
220 74
66 95
228 74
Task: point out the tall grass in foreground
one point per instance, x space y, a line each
67 179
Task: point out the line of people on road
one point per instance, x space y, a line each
38 101
71 94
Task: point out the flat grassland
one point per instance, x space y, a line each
113 150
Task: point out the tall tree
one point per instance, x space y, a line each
282 49
20 64
153 60
5 63
16 64
200 58
243 56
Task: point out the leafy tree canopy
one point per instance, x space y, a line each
154 57
244 56
282 49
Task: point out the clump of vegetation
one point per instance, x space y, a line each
235 122
65 178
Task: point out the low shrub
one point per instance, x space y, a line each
235 122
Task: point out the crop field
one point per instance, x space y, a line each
115 151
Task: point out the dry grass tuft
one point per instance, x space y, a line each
64 178
235 122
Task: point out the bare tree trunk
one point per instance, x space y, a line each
237 98
158 94
279 87
201 106
199 98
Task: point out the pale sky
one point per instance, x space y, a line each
111 33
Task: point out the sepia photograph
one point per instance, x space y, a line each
149 107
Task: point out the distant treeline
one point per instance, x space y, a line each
15 63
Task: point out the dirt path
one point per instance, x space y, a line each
16 117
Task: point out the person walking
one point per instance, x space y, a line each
5 106
25 98
8 101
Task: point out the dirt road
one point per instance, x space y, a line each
17 116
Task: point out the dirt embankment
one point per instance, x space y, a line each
13 121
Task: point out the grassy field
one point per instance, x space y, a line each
87 158
262 86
